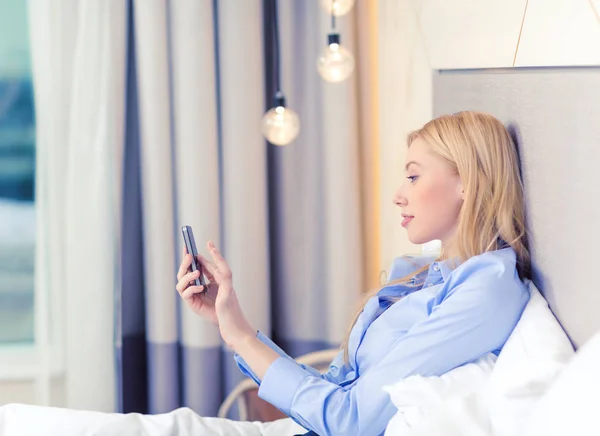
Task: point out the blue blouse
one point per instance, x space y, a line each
455 317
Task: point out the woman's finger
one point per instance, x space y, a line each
185 265
191 291
208 275
184 282
208 265
221 263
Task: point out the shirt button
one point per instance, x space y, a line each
436 267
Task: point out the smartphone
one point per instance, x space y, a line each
190 245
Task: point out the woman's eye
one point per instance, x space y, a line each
412 178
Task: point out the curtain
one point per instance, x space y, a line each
287 218
78 58
191 174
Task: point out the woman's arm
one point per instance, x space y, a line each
335 374
255 352
401 267
257 355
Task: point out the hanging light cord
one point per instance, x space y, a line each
333 15
276 66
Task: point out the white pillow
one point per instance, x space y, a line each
420 399
471 400
570 406
533 356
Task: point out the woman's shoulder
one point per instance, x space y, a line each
497 263
493 274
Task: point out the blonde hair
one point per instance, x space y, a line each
480 150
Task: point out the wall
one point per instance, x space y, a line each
405 103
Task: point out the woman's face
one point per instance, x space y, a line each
430 197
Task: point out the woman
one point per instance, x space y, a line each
464 188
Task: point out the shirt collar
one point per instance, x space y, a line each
445 267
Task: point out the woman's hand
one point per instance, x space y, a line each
221 301
232 323
202 303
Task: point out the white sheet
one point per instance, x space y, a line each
463 416
570 407
444 405
26 420
534 355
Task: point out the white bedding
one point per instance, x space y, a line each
25 420
448 405
484 398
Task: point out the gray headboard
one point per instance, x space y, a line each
555 115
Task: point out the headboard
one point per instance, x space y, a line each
554 113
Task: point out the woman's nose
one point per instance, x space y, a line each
399 199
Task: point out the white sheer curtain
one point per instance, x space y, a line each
78 51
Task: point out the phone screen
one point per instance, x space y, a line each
190 245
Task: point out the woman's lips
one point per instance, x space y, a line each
406 220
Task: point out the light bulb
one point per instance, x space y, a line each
280 125
335 64
340 7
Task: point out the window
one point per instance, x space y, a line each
17 172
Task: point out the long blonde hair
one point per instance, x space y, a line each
480 150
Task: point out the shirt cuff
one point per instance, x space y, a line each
281 381
245 368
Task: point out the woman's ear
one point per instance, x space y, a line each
461 189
